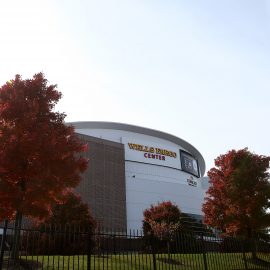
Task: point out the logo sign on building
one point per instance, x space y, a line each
192 182
153 154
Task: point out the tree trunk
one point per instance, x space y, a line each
169 249
253 248
16 237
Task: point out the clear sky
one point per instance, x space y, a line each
199 70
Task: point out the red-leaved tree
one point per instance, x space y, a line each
65 232
72 212
70 217
239 194
162 221
39 155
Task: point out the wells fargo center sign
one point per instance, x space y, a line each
152 154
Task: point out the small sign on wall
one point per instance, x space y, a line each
192 182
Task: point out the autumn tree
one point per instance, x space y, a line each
70 216
39 155
162 221
239 194
73 212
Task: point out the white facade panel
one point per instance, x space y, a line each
157 173
122 136
149 184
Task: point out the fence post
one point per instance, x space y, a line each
3 242
153 249
114 243
244 255
89 246
204 253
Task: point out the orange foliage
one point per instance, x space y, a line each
39 154
162 220
239 193
72 212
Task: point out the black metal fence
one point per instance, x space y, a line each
55 247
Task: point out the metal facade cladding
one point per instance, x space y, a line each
103 184
132 167
115 131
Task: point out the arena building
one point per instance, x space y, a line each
132 167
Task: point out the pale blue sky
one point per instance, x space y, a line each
197 69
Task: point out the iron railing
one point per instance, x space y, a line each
68 247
